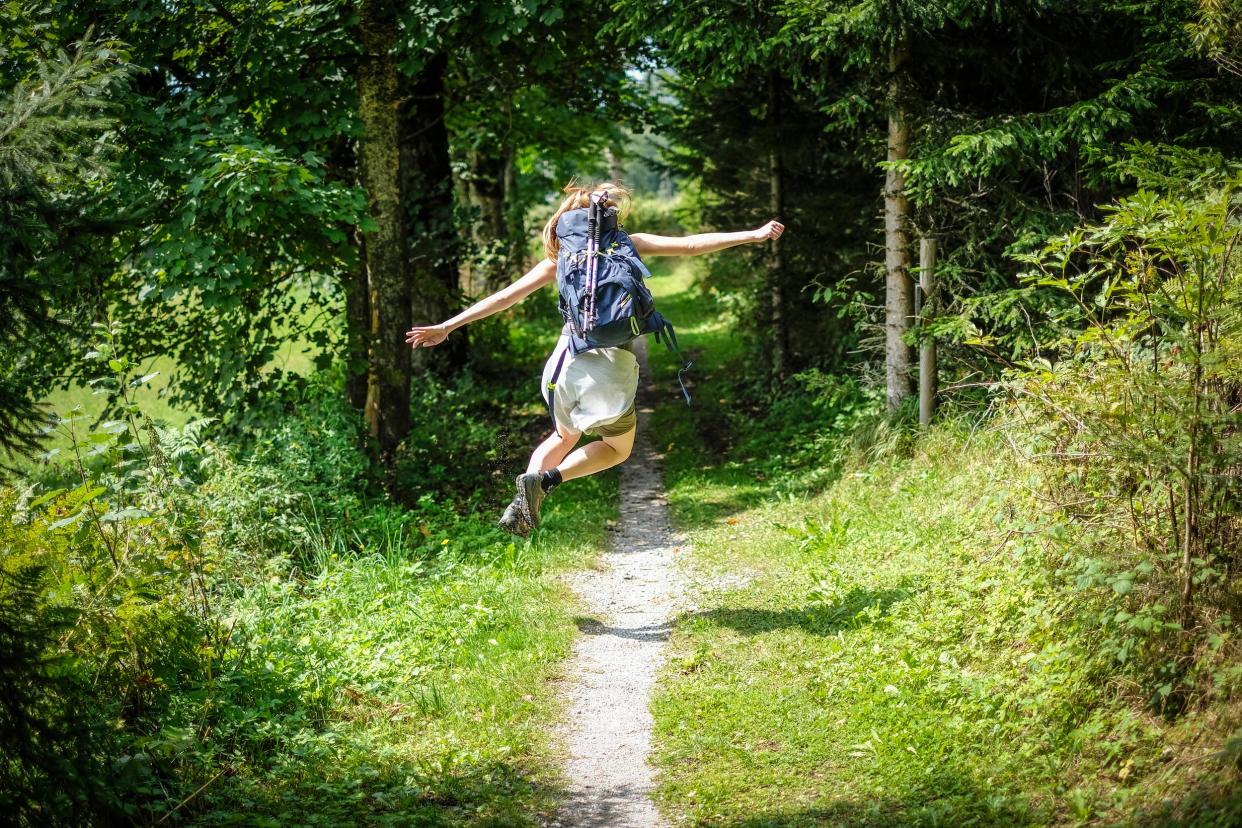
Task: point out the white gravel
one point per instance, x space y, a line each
630 601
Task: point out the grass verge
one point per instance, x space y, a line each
884 642
252 634
407 691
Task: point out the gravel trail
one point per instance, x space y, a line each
630 601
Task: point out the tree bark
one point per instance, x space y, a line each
776 205
377 76
489 231
616 170
357 327
427 187
899 290
514 218
343 167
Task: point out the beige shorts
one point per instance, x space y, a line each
628 421
616 379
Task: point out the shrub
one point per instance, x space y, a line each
1136 422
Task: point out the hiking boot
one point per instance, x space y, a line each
529 498
513 522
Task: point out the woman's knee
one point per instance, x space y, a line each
622 444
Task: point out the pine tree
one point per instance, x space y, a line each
52 158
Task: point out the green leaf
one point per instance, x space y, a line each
93 493
144 379
46 497
117 515
67 521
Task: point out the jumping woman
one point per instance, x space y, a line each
588 383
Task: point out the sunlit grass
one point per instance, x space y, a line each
878 646
442 700
393 666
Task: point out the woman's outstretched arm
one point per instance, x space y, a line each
535 278
649 245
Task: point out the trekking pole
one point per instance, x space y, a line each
599 228
594 228
588 303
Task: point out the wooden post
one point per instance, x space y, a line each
925 298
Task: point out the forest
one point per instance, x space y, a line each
945 530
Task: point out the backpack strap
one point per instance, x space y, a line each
556 373
663 332
571 294
636 262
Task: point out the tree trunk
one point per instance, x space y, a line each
776 205
616 170
467 266
343 167
388 378
514 218
357 327
899 290
489 231
427 187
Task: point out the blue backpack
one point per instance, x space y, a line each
601 279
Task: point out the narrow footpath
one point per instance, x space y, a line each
630 602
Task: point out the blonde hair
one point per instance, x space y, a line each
578 197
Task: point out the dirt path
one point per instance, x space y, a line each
630 602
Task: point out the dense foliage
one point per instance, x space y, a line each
1136 423
249 571
1021 114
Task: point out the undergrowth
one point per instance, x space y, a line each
894 629
251 630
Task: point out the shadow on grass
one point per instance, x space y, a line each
487 793
1215 802
884 813
287 751
283 754
947 801
697 510
858 608
698 507
939 797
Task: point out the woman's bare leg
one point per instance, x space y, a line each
552 451
597 456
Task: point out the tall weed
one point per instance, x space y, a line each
1135 416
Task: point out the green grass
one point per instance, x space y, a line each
412 691
879 643
423 683
384 665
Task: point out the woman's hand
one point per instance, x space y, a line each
771 230
428 337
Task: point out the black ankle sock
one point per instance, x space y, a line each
549 480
